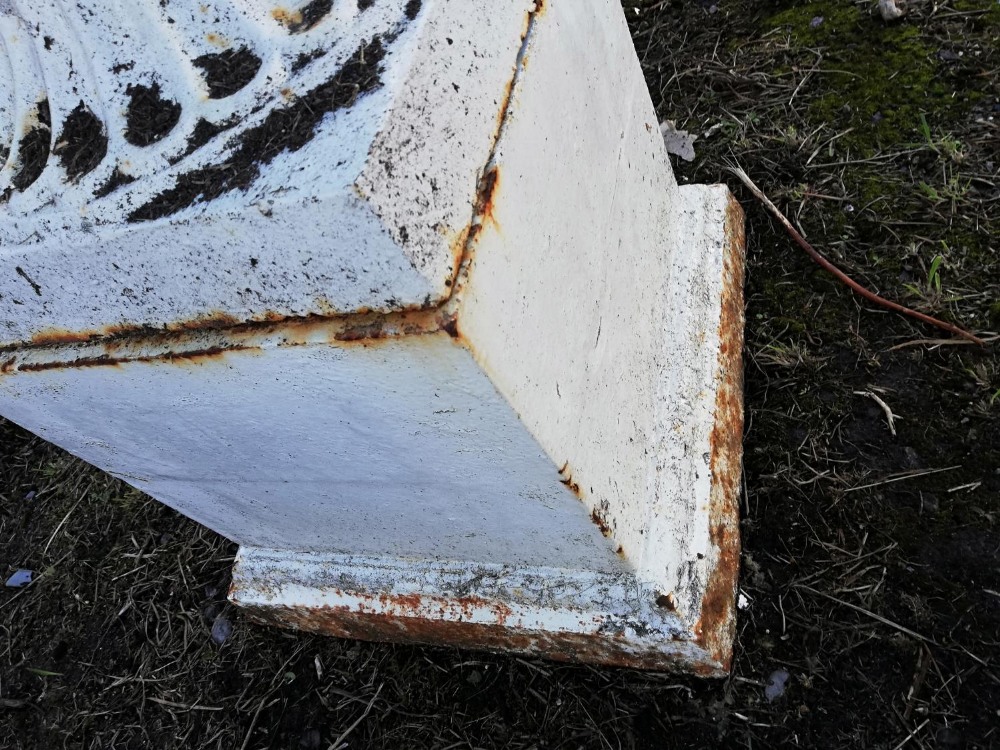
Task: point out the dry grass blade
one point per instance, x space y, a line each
901 477
868 613
889 416
338 744
184 706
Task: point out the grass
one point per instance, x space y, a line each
871 567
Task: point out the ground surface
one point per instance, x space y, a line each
872 582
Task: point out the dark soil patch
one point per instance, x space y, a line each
83 144
203 132
304 58
149 117
310 15
870 561
116 180
33 150
227 72
285 128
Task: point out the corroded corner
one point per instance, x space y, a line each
717 624
582 617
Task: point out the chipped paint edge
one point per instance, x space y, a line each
564 615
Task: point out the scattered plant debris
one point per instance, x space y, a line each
678 142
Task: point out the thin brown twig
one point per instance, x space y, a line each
840 275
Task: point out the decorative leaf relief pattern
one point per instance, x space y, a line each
135 109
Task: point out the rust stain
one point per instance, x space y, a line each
457 247
60 336
186 358
599 521
485 206
716 626
212 320
486 203
450 326
340 621
286 17
505 100
216 40
567 479
193 340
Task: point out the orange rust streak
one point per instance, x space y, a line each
567 480
211 320
717 625
192 357
457 248
349 328
487 197
600 523
194 344
57 336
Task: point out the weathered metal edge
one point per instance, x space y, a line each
563 615
716 627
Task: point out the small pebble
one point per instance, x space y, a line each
20 578
775 687
222 628
816 22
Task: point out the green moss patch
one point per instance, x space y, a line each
877 78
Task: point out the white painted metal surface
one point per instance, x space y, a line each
402 448
458 362
342 175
